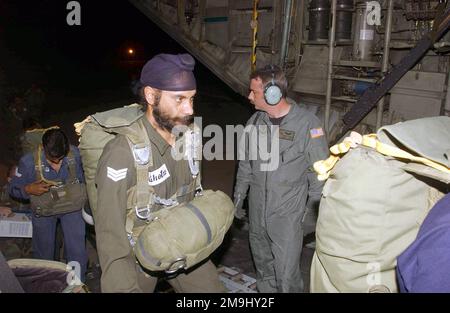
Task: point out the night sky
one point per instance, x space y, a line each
84 66
37 44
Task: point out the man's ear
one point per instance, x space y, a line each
149 94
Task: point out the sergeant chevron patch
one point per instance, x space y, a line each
116 175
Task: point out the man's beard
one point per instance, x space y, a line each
167 123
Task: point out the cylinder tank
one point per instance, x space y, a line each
319 20
363 40
344 17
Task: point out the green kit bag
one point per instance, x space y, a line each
373 203
184 235
95 132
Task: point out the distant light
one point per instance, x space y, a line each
130 51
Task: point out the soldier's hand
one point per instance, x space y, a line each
37 188
239 212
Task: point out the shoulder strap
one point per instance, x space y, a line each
143 160
38 167
38 163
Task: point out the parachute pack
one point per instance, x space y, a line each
177 236
379 190
31 139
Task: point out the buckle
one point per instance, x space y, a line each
177 268
143 213
165 202
198 191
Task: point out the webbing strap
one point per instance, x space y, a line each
202 219
372 142
38 167
323 167
144 192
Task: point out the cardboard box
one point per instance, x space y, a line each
16 225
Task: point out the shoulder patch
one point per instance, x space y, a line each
116 175
316 132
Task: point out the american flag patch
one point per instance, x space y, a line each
316 132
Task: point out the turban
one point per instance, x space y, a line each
169 72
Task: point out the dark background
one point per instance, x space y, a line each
87 68
37 45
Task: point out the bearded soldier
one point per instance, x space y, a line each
168 90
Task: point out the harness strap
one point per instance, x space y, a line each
38 167
147 202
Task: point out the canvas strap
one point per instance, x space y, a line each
323 167
38 167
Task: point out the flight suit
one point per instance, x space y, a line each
278 198
116 175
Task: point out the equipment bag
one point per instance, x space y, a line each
374 201
62 197
43 276
183 236
31 139
96 131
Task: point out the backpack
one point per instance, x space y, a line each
31 139
374 201
191 231
96 131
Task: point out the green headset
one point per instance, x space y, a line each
272 92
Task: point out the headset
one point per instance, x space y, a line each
272 92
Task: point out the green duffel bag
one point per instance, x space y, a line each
185 235
373 203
